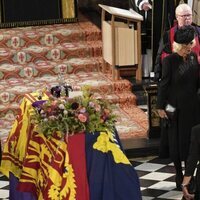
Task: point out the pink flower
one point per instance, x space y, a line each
97 107
49 110
91 104
82 117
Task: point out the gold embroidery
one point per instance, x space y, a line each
105 143
68 8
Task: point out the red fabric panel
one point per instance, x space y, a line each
76 149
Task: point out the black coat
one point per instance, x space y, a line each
178 87
156 23
165 46
194 157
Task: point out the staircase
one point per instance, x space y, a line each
32 57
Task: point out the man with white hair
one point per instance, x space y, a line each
184 17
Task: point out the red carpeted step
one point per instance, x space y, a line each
10 99
13 89
48 35
132 122
41 68
63 51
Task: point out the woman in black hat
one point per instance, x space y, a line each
178 103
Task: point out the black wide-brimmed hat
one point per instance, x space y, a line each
184 35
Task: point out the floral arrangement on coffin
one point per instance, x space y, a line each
73 115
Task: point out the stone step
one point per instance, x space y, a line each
54 53
48 35
41 68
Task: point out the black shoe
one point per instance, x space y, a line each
179 180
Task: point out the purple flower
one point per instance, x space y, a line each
38 104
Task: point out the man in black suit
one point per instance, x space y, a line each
142 7
159 21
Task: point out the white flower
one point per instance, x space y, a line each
52 117
61 106
65 112
45 120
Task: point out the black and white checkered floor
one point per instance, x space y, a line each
156 179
